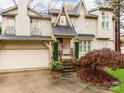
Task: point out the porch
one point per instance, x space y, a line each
65 37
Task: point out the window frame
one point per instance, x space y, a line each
105 20
63 17
35 24
85 46
10 22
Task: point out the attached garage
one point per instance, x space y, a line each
17 59
24 54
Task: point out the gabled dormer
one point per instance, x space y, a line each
63 18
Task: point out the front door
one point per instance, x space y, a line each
64 45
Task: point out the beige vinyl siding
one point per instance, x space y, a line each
99 44
45 26
83 25
23 45
54 18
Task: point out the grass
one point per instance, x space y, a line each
119 73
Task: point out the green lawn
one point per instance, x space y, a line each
120 75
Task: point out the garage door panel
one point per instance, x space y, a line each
16 59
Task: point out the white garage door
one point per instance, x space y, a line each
17 59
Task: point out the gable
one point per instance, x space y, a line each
83 10
10 11
34 13
63 13
80 8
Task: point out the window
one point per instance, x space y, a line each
35 28
80 47
105 20
62 20
35 24
10 22
10 26
85 46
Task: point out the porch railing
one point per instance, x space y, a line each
10 30
36 32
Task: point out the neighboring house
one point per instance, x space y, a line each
27 34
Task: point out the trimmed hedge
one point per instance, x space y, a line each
55 51
77 49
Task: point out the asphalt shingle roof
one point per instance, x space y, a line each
86 35
8 37
56 11
63 30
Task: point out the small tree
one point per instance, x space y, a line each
93 64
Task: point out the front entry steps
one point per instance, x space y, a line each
68 65
68 61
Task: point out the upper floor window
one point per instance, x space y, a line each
35 24
10 26
62 20
105 20
10 22
35 27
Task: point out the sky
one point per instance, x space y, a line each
8 3
42 5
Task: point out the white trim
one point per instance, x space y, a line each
23 70
9 9
66 13
82 3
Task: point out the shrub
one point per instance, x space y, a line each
55 51
56 66
77 50
98 59
93 64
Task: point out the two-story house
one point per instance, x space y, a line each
26 37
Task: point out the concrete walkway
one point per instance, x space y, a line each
42 82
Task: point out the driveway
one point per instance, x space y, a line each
42 82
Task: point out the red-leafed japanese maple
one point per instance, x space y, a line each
93 64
